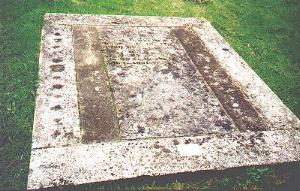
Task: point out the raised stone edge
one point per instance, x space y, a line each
129 159
90 19
258 92
46 114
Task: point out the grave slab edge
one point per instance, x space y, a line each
128 159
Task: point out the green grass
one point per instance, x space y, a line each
266 33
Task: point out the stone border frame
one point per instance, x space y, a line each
57 107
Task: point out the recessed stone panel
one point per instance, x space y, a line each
121 97
158 90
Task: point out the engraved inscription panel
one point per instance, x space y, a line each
158 91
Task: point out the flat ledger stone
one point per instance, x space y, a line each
122 97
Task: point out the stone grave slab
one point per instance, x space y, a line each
122 97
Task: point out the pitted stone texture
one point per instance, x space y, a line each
158 90
260 95
154 99
237 105
128 159
56 116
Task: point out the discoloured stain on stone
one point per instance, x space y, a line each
232 98
158 91
97 117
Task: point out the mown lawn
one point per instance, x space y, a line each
266 33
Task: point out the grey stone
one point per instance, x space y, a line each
122 96
202 1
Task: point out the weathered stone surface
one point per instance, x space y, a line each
96 107
158 90
121 97
232 98
56 121
119 160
